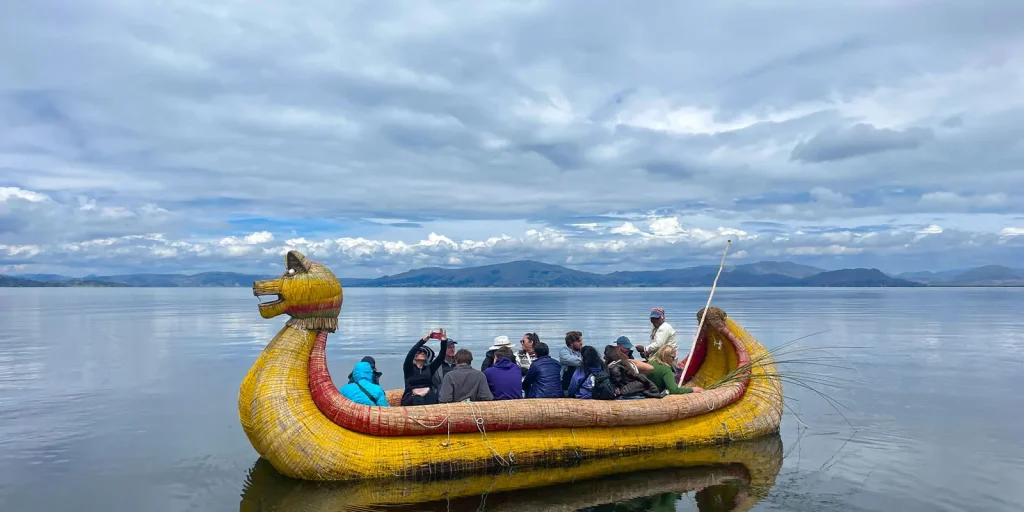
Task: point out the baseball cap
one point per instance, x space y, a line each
624 341
657 313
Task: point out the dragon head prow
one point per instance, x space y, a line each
307 291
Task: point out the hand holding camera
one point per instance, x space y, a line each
436 334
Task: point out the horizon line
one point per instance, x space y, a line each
189 274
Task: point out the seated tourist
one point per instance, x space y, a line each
446 364
625 347
499 341
463 382
628 381
373 366
569 357
504 376
419 368
527 354
663 375
362 390
591 379
543 379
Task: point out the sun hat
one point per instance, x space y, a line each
500 341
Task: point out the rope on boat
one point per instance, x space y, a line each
704 314
424 425
444 421
708 402
480 426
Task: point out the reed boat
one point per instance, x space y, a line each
295 418
735 477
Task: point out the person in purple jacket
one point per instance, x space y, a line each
505 377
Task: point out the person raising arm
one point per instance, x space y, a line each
419 372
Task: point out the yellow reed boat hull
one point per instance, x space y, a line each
294 417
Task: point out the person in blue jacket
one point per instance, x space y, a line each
373 366
362 390
543 379
581 385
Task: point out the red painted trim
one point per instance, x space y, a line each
435 419
700 350
314 308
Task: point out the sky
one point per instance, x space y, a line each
376 137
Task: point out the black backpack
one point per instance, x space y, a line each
602 389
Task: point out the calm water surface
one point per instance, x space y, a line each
125 399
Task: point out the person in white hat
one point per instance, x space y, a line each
499 341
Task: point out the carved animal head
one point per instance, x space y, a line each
306 291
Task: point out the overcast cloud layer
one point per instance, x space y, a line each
381 136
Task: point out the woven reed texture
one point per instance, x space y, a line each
755 463
285 425
311 295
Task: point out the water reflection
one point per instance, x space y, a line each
734 477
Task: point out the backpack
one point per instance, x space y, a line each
602 387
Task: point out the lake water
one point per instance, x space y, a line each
125 399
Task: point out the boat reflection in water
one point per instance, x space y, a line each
731 477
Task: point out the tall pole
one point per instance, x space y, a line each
704 314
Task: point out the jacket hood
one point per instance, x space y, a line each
505 364
362 371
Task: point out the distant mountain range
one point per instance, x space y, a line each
989 275
66 282
542 275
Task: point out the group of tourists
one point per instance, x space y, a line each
576 371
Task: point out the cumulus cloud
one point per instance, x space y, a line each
221 131
653 241
28 216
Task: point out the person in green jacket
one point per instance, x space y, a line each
664 377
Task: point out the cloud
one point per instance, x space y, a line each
946 201
861 139
28 216
627 229
651 241
555 128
